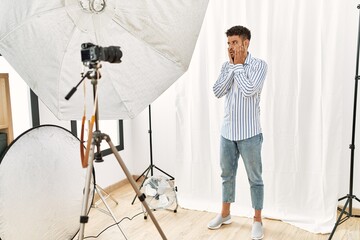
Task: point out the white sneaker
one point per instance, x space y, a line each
218 221
257 231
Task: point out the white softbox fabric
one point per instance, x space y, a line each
42 41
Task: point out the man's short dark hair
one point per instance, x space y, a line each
239 31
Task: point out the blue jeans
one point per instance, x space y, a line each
250 151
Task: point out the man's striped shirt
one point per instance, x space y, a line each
242 85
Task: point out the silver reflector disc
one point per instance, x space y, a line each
41 186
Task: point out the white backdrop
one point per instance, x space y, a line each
307 101
310 48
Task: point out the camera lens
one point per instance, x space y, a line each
112 54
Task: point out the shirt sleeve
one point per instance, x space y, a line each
251 83
225 80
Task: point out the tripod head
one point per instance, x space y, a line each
94 75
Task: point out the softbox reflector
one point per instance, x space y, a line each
41 40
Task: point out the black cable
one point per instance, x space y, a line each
130 219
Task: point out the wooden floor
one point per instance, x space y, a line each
191 225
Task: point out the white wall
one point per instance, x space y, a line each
19 97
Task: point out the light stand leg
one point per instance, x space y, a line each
100 190
110 212
340 220
84 215
145 174
133 184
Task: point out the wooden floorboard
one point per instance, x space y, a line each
191 225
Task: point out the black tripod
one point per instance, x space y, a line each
151 167
350 197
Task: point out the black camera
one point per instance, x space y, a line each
93 53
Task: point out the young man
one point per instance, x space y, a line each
241 81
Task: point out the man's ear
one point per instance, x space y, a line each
247 43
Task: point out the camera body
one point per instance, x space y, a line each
93 53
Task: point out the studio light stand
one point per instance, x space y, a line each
150 168
96 139
350 197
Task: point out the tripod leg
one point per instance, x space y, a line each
338 222
171 177
340 199
142 184
84 217
133 184
357 199
146 171
108 195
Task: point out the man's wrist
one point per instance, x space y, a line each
237 67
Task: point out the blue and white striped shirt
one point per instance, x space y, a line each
242 85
